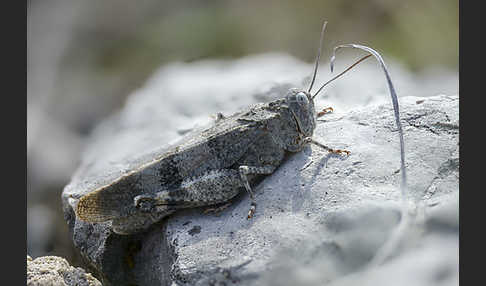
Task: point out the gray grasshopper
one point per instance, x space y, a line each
212 166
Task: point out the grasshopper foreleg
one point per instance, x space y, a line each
329 149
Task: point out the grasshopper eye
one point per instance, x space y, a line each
302 98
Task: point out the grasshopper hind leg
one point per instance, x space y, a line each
211 188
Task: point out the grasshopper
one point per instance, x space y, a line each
212 166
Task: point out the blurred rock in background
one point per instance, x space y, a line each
86 57
53 270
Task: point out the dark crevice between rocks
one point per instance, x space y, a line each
435 128
449 127
426 127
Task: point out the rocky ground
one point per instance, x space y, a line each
56 271
321 218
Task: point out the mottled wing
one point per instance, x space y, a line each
215 148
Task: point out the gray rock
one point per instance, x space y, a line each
53 270
320 217
329 220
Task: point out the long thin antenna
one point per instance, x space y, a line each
394 98
398 234
343 72
318 56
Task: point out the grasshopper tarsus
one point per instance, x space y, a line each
325 111
341 152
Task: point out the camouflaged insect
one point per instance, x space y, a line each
212 166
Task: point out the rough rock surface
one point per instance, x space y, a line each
320 218
319 222
56 271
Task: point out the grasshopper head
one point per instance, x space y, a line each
297 121
301 107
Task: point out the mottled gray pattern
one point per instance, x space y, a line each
205 168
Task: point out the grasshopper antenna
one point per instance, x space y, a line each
394 98
384 252
339 75
318 56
